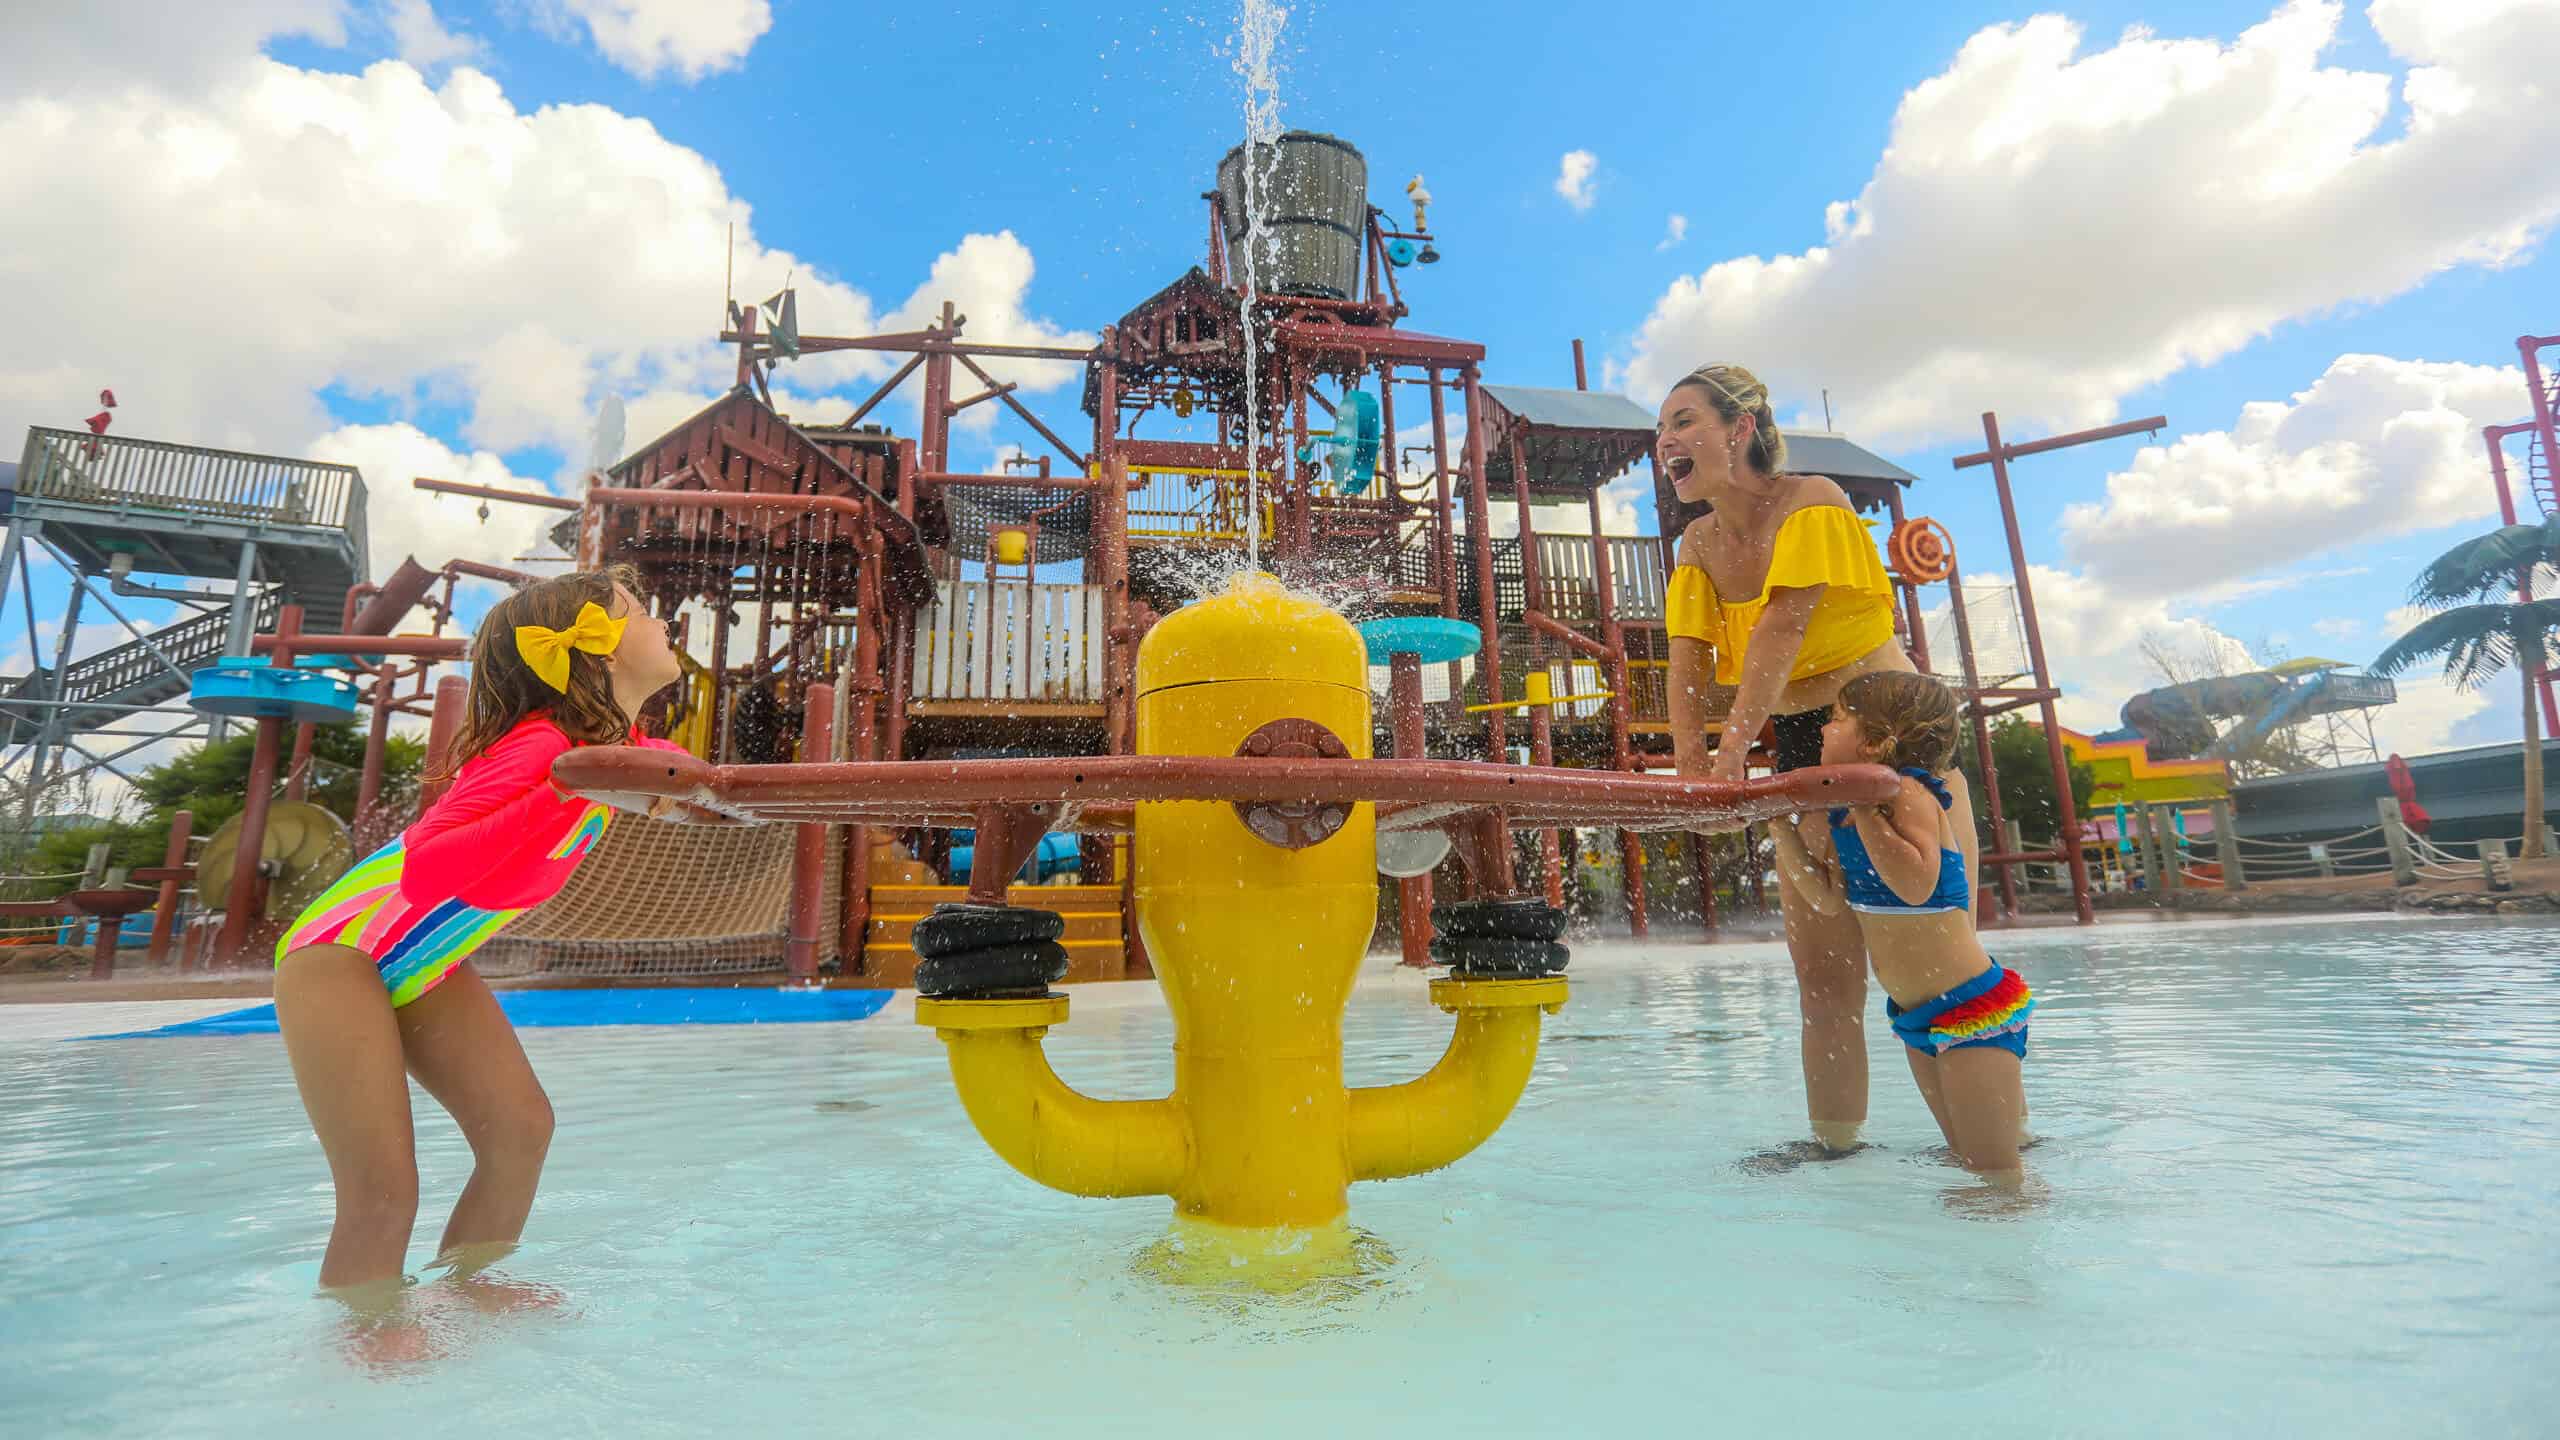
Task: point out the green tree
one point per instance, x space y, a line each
2026 783
211 781
2479 640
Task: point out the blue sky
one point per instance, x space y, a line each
2187 208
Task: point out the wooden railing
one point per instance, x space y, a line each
1185 504
1038 643
1572 593
155 475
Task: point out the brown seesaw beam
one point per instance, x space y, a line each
1097 793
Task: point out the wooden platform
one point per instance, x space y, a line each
1095 947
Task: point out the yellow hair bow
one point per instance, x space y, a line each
546 651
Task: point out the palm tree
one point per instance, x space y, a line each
2478 640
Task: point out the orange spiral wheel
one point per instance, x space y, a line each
1922 550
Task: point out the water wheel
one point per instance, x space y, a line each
305 850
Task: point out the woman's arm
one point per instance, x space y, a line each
1692 664
1817 884
1770 657
1904 846
1693 667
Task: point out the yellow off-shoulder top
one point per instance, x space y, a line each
1825 545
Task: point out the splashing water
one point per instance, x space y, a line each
1258 26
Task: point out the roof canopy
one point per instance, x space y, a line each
1573 441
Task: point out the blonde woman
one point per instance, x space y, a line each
1779 593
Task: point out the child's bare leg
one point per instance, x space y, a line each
1924 1073
465 1054
1986 1101
344 1044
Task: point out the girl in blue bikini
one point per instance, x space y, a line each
1904 869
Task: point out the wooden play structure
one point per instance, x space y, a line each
850 594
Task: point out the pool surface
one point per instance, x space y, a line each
2297 1180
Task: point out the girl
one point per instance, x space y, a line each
1780 594
371 984
1903 868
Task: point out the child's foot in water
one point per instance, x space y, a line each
495 1294
1779 1159
469 1275
391 1342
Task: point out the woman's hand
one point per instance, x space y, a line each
1729 762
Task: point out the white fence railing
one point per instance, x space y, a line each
1010 642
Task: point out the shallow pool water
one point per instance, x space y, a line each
2297 1180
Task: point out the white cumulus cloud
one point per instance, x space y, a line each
1573 178
1674 230
402 520
2375 447
690 38
420 38
2051 227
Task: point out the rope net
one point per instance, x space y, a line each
657 899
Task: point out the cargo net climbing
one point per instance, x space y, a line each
660 900
1061 521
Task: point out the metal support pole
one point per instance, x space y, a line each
1912 620
1444 539
1982 756
52 722
718 731
244 623
860 742
1542 732
2067 814
102 952
444 723
369 783
12 551
1405 722
164 911
298 771
245 902
1702 866
809 844
1480 540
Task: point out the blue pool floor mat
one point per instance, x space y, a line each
544 1009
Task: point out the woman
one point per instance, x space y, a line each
1780 594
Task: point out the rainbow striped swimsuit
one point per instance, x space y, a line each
1989 1009
413 945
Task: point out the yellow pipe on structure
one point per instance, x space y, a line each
1035 1122
1257 943
1424 1124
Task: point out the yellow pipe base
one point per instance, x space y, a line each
1202 1254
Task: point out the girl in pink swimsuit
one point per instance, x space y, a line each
371 984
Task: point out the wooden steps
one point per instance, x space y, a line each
1095 948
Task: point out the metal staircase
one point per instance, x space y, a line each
151 671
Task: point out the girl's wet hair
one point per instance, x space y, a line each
504 689
1736 392
1916 717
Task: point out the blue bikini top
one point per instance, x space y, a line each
1869 895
